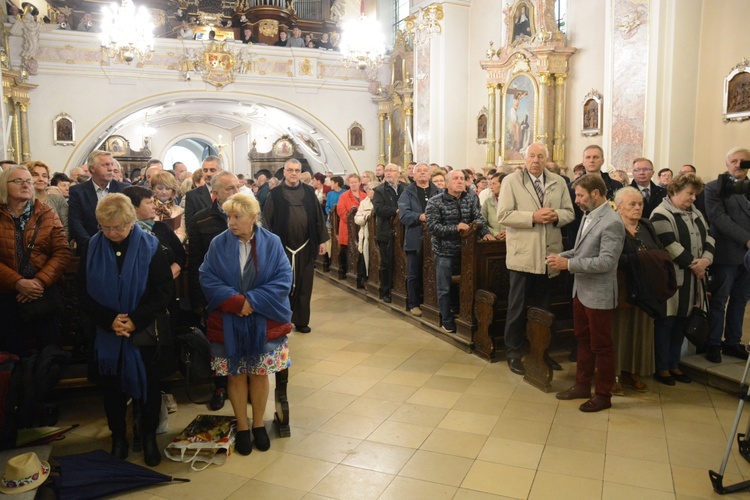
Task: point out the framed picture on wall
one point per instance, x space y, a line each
591 123
482 126
63 130
522 22
520 108
356 136
283 148
737 93
117 145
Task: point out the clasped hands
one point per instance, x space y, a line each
123 326
545 216
698 266
29 290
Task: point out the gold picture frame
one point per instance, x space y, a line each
737 93
356 137
117 145
63 130
283 148
591 117
520 117
482 121
522 23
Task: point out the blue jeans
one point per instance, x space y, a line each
730 284
445 268
668 339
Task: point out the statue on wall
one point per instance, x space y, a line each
28 27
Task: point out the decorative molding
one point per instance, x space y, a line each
591 120
63 130
737 93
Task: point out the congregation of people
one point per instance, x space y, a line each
640 256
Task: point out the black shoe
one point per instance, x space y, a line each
218 400
552 363
736 351
680 377
449 327
516 366
50 415
302 328
260 436
664 379
714 354
151 453
120 447
387 299
242 443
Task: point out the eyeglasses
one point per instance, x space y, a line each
293 170
114 229
21 182
644 170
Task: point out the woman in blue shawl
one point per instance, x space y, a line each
246 278
124 282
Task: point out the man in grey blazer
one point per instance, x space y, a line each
729 221
593 262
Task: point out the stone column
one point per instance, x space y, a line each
558 152
25 142
545 124
16 133
408 129
490 157
382 141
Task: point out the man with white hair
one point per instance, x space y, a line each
533 205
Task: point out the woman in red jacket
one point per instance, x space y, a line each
347 201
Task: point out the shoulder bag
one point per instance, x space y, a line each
698 324
50 303
158 333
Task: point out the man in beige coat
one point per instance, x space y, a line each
533 205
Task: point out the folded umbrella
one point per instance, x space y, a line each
97 474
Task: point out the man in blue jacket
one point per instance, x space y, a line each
411 207
448 215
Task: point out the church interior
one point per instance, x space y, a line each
382 407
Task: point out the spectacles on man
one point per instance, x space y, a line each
644 170
21 182
114 229
293 170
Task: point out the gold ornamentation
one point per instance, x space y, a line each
305 67
269 27
521 64
544 78
560 79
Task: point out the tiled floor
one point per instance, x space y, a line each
381 409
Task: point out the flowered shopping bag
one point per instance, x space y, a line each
208 440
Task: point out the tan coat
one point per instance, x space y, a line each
528 244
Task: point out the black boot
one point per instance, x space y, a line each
120 446
151 452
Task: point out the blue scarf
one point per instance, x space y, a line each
120 292
245 337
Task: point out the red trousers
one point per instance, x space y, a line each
596 352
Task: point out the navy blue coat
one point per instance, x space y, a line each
409 210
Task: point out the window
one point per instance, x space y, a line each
400 12
561 15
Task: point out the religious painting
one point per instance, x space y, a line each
305 139
737 93
283 148
482 126
523 21
63 130
519 117
117 145
591 124
356 136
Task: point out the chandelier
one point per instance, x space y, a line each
425 24
127 33
362 43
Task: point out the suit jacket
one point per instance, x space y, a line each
409 209
572 229
385 206
593 260
657 193
196 200
729 221
82 201
528 244
202 229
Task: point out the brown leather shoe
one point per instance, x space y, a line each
617 389
597 403
575 392
631 380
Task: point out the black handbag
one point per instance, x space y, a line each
698 323
49 304
158 333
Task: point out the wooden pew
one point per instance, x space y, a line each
335 248
398 292
352 255
373 276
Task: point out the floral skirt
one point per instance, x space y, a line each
266 363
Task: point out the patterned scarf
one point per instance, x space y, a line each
163 210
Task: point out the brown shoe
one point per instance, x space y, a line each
632 380
597 403
575 392
617 389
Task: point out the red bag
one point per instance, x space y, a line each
274 329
